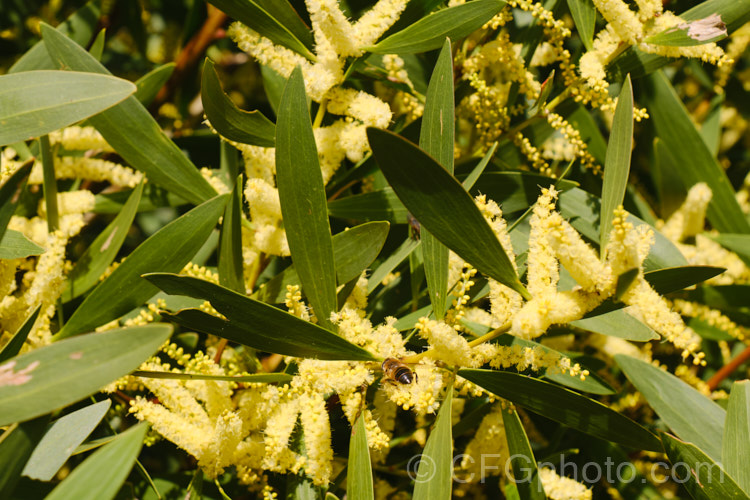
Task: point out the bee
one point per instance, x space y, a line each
396 371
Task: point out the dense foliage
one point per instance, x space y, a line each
374 249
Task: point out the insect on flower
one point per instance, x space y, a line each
396 371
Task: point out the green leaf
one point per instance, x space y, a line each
80 27
711 127
673 279
525 473
131 130
61 373
474 175
62 438
97 46
699 474
353 251
442 206
15 245
303 200
584 16
380 205
617 163
430 32
735 453
691 33
516 191
436 139
38 102
103 250
124 289
434 479
274 19
391 263
151 83
667 181
675 127
359 475
16 445
619 324
254 323
690 414
737 243
10 192
14 345
564 406
230 242
100 476
229 120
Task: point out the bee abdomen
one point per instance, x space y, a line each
404 375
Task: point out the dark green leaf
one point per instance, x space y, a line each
672 279
14 345
525 473
103 250
10 192
303 200
675 127
274 19
100 476
59 374
124 289
565 407
430 32
667 180
382 204
150 83
391 263
434 479
624 281
131 130
617 163
254 323
230 243
584 15
62 438
79 27
353 251
617 323
471 179
436 139
690 414
229 120
38 102
359 474
699 474
735 453
442 206
16 445
97 46
15 245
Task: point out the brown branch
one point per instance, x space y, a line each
728 369
190 53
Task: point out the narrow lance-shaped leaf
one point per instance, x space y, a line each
61 440
474 175
10 192
442 206
617 163
131 130
525 473
230 242
699 474
15 245
436 139
690 33
735 453
34 103
150 83
359 472
274 19
124 289
61 373
254 323
101 475
434 479
429 32
14 345
675 127
690 414
16 446
229 120
303 200
103 250
584 16
564 406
